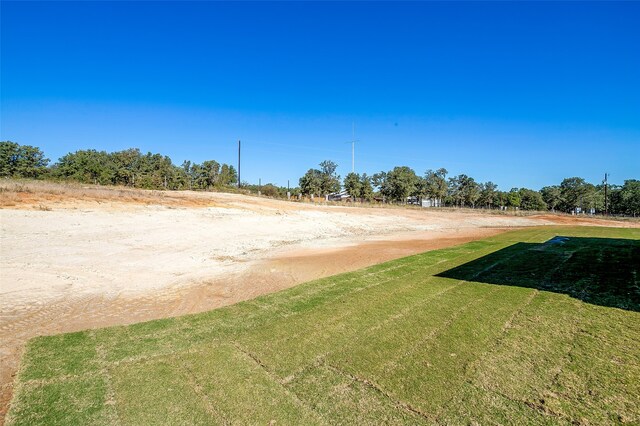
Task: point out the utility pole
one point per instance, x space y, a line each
606 205
238 163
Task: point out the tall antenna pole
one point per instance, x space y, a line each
353 147
606 205
238 163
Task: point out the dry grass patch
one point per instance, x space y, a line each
34 194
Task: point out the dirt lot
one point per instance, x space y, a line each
74 258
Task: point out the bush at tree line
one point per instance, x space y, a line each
155 171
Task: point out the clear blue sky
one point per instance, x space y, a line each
523 94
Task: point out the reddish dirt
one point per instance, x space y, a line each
561 219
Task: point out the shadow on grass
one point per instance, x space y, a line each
602 271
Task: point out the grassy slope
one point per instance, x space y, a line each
394 343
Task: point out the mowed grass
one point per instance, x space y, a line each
514 329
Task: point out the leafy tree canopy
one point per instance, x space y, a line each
22 161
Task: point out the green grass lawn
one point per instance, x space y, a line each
514 329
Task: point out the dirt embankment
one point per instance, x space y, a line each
74 258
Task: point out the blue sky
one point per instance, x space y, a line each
523 94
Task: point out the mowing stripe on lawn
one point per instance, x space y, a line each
291 343
242 390
306 336
601 381
338 397
156 392
534 349
431 373
381 346
60 355
474 406
79 401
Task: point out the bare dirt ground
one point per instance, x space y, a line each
76 257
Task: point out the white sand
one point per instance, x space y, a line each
46 255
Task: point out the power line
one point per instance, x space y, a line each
299 147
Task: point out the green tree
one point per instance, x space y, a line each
472 192
615 199
421 187
31 162
210 174
330 181
593 197
127 166
379 182
328 167
210 170
513 198
185 172
400 183
87 166
311 182
552 196
488 194
353 185
378 179
454 192
366 188
531 200
9 152
155 171
463 190
270 190
573 191
22 161
436 183
630 197
228 175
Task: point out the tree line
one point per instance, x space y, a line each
129 167
401 184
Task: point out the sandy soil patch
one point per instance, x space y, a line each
73 258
